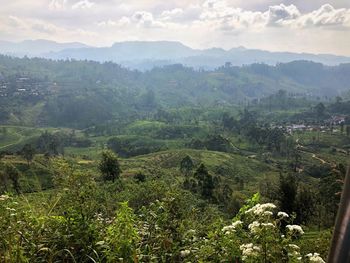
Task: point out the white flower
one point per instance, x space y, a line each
232 228
260 208
185 253
293 246
295 228
294 251
249 250
294 254
267 213
315 258
4 197
282 214
254 227
237 223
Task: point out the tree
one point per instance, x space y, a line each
330 188
28 153
109 166
205 181
320 110
297 160
186 165
2 155
342 127
12 173
347 130
140 177
305 205
287 193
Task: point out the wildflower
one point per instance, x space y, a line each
294 254
282 215
315 258
254 227
249 250
267 213
293 246
295 229
232 227
185 253
4 197
259 209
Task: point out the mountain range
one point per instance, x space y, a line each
144 55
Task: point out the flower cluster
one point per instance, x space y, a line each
315 258
294 252
256 226
4 197
249 251
282 215
232 228
185 253
295 229
261 209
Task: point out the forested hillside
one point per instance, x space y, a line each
84 93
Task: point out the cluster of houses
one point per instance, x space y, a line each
329 125
22 86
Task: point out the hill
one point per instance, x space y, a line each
86 93
38 47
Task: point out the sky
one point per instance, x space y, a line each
313 26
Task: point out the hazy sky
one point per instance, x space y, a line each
315 26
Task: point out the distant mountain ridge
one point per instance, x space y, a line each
38 47
144 55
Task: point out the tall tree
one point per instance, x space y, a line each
205 181
109 166
186 165
28 153
287 193
320 110
12 173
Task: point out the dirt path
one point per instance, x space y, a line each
318 158
312 154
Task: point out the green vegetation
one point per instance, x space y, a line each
123 166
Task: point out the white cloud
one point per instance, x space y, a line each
111 23
57 4
28 27
326 15
282 14
171 14
84 4
146 19
226 17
